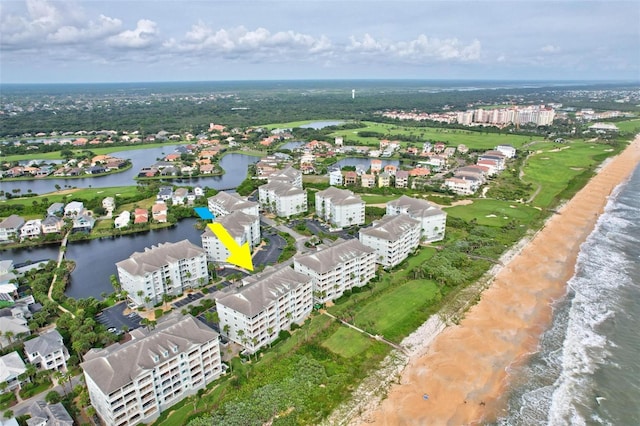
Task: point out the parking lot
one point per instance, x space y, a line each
269 253
316 228
191 297
114 317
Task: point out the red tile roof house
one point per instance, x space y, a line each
172 157
141 216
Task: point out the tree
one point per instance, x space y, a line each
52 397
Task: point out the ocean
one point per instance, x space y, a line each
587 367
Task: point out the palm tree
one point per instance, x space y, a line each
9 335
226 329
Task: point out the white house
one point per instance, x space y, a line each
464 185
47 351
342 266
11 367
393 238
265 304
122 220
74 208
133 382
168 268
433 220
224 203
109 204
340 207
507 150
31 228
159 211
10 227
335 177
282 198
242 227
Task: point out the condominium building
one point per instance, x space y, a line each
47 351
433 220
283 199
168 268
267 303
288 175
224 203
392 237
340 207
134 382
342 266
242 227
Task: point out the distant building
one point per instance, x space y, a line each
342 266
10 227
133 382
168 268
340 207
507 150
393 238
264 305
402 179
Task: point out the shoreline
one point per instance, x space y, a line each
465 368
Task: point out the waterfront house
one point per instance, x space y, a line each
159 211
52 225
393 238
83 223
109 204
47 351
74 208
165 193
10 227
122 220
31 228
55 209
141 216
339 267
179 196
350 178
133 382
368 180
168 268
266 303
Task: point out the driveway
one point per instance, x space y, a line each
115 317
269 253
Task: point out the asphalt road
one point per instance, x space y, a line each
114 317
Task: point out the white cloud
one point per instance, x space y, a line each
71 34
418 49
142 36
549 48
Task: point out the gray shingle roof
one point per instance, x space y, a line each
11 365
416 207
340 197
13 221
282 189
390 228
234 223
154 258
330 257
115 366
261 290
232 202
45 344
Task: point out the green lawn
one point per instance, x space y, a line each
474 140
347 342
632 126
484 210
553 167
77 194
394 314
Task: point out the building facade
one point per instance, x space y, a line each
340 207
342 266
393 238
242 228
224 203
433 220
47 351
283 199
135 381
267 303
168 268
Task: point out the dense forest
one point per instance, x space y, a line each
191 107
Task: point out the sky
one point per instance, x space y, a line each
43 41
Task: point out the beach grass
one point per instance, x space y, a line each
347 342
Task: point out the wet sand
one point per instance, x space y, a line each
464 371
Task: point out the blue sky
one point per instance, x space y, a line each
44 41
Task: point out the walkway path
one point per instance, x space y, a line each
63 249
300 239
373 336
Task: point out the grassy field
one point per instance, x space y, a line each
474 140
552 167
494 212
76 194
292 124
632 126
358 342
391 315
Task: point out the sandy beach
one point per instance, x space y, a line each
464 371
